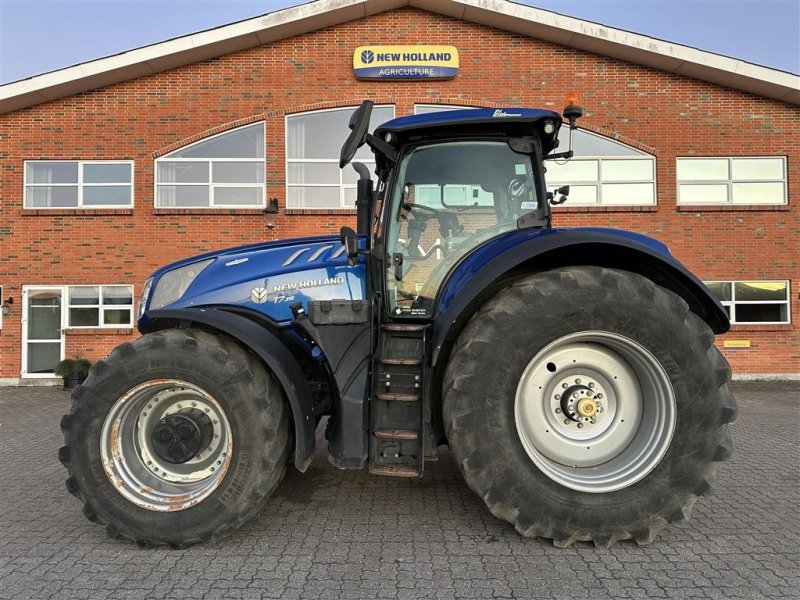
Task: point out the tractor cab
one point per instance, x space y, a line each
448 182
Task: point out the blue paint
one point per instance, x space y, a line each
466 118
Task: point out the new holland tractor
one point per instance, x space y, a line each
571 371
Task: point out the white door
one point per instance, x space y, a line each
42 329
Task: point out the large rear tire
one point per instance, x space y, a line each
588 404
176 438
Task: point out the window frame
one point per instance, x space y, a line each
210 183
731 304
80 184
730 181
599 182
342 186
101 307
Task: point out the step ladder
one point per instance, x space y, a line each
396 420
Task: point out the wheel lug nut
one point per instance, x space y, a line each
599 396
565 385
577 381
558 411
580 425
194 403
566 421
591 384
558 396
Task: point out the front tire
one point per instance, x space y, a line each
176 438
604 418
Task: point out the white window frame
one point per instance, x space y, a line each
80 185
210 184
342 186
729 181
733 302
100 306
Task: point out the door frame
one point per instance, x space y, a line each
26 289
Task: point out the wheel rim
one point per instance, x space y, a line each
151 453
595 411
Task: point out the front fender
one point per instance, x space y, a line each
491 266
266 345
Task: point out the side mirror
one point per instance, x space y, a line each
359 123
350 243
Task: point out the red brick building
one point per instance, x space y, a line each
111 168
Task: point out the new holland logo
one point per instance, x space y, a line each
405 62
259 295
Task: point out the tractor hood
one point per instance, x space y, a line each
266 278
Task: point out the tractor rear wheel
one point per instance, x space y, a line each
605 416
175 438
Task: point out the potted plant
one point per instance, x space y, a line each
73 370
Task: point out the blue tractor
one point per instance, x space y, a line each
571 371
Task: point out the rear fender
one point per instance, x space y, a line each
271 349
495 264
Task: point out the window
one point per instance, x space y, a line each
78 184
100 306
750 180
424 109
603 172
222 171
753 301
313 143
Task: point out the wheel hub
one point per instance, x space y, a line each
179 437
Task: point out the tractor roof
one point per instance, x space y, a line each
479 121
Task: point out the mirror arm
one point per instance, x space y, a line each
383 148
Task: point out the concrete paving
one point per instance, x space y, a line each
335 535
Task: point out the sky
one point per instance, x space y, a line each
37 36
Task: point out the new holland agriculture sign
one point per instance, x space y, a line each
405 62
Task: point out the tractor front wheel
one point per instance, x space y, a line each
602 419
175 438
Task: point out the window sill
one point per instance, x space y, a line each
765 327
320 211
209 211
606 209
77 212
732 207
99 330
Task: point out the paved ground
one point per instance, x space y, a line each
330 534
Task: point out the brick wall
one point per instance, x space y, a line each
146 117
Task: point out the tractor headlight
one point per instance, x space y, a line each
174 284
549 127
145 295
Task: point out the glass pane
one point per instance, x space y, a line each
313 197
245 142
350 195
237 172
760 291
703 194
51 172
44 315
720 289
758 193
182 172
84 317
315 173
424 109
42 358
182 195
84 295
574 170
321 134
106 173
627 170
117 317
702 169
591 144
582 194
757 168
762 313
107 195
51 197
627 193
234 196
117 294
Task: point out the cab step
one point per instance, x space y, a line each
392 397
394 471
396 434
411 362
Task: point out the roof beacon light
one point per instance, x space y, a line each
572 112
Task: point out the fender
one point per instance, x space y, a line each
491 266
272 351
